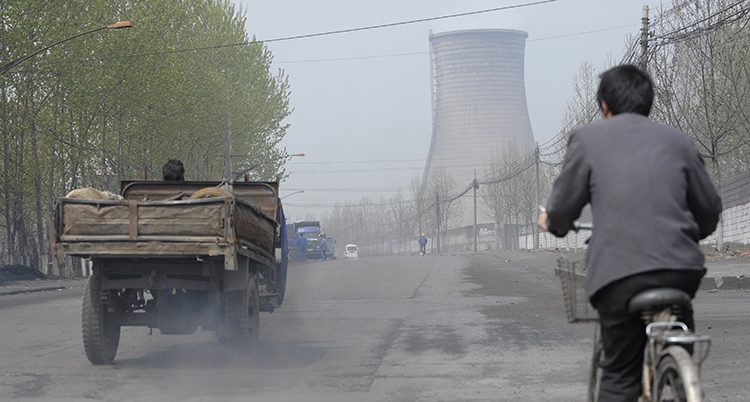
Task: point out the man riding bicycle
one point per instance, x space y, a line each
652 201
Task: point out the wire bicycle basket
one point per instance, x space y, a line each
572 274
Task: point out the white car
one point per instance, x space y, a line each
351 251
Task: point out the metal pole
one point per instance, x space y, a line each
118 25
644 39
476 233
228 147
419 213
538 197
437 209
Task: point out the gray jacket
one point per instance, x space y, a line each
651 198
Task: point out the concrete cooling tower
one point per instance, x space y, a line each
479 111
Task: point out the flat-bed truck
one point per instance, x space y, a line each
176 255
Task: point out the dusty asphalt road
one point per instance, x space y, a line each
447 328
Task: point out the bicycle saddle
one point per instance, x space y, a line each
658 298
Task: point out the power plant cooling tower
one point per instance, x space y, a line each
479 111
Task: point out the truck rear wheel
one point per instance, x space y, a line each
241 316
101 332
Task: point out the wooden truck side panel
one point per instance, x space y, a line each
147 223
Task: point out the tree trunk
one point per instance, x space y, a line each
720 225
40 239
7 187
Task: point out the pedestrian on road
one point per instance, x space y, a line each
323 247
301 247
652 201
423 244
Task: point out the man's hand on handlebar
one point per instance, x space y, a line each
542 221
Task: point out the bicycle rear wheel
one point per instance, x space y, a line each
677 378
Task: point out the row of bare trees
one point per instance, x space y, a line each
393 225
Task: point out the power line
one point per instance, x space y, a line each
695 23
349 190
335 59
708 29
342 31
422 53
568 35
356 170
473 164
344 205
356 161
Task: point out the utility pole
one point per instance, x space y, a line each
538 196
228 147
475 185
437 209
419 211
644 39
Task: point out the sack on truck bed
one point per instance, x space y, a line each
208 192
88 193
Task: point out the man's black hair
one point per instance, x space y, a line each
626 89
173 170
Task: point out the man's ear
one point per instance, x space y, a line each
606 112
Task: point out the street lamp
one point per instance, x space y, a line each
291 194
117 25
239 174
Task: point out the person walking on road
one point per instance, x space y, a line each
422 245
652 201
323 247
301 247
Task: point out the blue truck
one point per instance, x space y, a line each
311 231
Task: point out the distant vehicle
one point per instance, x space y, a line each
311 231
351 251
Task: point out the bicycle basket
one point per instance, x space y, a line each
573 280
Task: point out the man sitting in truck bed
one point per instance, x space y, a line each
173 170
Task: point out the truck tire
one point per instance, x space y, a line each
241 317
101 336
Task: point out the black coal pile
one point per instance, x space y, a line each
19 273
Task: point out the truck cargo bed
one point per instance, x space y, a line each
144 224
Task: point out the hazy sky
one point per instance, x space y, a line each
364 121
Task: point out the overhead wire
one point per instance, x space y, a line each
529 161
698 22
339 31
422 53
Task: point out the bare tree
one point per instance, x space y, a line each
509 192
443 188
701 72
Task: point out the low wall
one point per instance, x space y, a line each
736 225
735 196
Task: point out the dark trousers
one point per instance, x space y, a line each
624 334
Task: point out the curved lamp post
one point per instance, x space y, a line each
291 194
117 25
239 174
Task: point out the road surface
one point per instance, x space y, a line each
434 328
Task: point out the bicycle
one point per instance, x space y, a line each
673 355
